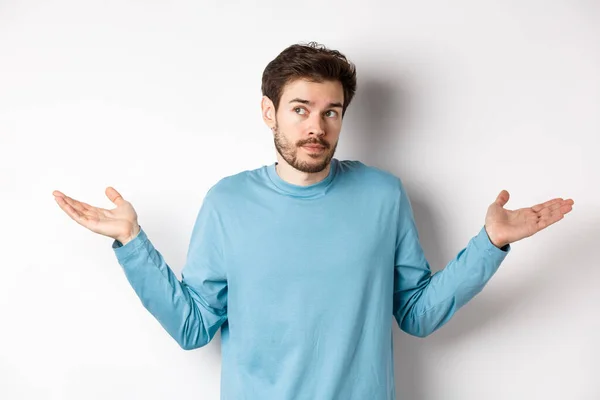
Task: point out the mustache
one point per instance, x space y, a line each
319 142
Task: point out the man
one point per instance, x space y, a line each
302 263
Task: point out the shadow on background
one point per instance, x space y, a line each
378 122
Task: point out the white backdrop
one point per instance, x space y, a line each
161 99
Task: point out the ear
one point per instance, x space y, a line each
268 112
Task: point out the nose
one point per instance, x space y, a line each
317 125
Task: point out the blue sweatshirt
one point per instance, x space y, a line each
303 282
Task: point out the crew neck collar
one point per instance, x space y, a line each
315 190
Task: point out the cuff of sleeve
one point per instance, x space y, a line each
483 242
125 251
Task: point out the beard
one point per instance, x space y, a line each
289 152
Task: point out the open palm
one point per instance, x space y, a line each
119 223
507 226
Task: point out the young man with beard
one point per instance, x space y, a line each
303 263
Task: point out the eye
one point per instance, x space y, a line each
299 110
331 114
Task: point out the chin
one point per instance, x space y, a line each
312 164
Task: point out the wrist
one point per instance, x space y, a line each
494 239
130 235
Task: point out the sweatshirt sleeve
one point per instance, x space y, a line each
424 302
190 310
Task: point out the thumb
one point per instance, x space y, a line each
114 196
502 198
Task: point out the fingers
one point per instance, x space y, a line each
77 210
77 205
550 207
69 210
554 213
560 205
567 206
502 198
113 195
541 206
549 220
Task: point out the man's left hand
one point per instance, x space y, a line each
507 226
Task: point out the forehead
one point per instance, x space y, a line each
318 92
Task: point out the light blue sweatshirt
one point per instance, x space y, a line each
303 282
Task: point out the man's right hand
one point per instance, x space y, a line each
119 223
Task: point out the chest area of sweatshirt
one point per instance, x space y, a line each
310 244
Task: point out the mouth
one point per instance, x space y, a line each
314 147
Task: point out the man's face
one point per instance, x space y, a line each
308 122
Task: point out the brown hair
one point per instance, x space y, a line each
310 61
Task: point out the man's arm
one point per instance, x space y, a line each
192 310
424 302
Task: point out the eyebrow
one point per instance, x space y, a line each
310 103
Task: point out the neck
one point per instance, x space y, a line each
295 177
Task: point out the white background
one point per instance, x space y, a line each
161 99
